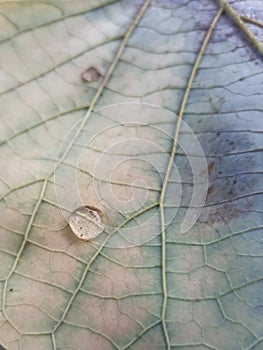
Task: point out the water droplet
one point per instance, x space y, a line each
91 74
86 222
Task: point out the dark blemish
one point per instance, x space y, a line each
210 191
220 36
240 79
210 167
91 74
230 192
11 290
229 34
201 26
81 235
80 228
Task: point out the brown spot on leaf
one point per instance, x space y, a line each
210 191
231 193
210 167
91 74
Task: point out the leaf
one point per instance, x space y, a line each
165 142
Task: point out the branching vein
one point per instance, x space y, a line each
55 167
168 171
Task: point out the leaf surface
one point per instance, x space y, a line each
145 282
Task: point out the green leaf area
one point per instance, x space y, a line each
150 112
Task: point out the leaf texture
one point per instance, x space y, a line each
166 136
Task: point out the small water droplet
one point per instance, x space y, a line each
86 222
91 74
